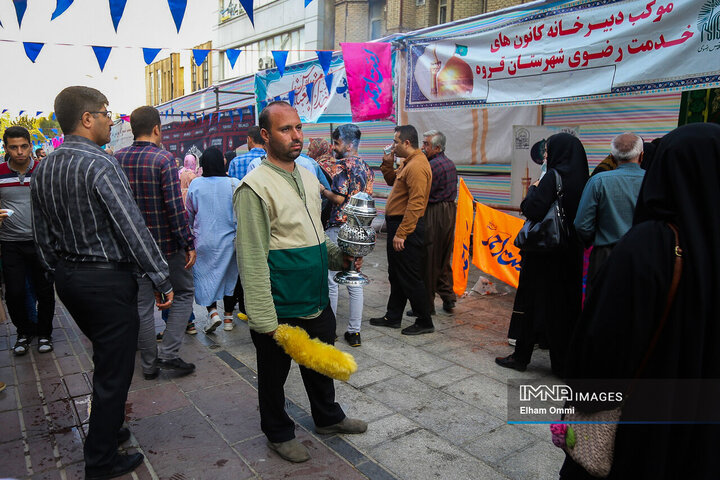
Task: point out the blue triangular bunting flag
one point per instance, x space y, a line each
328 81
102 54
195 114
308 2
232 119
248 7
32 50
53 116
117 8
62 5
325 58
200 55
309 91
262 105
232 56
55 130
240 114
280 57
20 7
149 54
177 9
37 114
20 113
291 98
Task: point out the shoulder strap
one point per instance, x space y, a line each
677 271
558 182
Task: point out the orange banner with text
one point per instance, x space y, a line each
461 250
493 250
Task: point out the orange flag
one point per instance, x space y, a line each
493 249
461 249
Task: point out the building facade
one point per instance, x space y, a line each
177 75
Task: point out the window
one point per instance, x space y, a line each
193 75
442 11
205 74
377 20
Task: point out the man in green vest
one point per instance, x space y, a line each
283 257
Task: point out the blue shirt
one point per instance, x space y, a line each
607 205
239 165
303 161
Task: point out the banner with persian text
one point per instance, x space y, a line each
568 50
368 67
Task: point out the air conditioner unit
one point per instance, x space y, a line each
266 63
419 3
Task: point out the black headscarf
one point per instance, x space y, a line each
649 149
212 162
566 155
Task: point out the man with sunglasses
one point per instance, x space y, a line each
92 237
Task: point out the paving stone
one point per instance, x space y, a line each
541 460
35 421
482 392
227 407
358 404
41 453
499 443
77 384
422 454
408 359
13 464
175 441
8 398
24 370
446 376
69 365
46 366
53 389
382 430
209 371
155 400
70 445
29 395
369 375
404 393
374 471
5 357
82 408
62 415
10 422
324 463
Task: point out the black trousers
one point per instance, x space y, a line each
405 272
238 297
103 303
273 368
19 260
439 235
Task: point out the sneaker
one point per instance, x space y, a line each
22 345
511 362
45 345
292 450
512 342
348 425
416 329
353 339
214 321
152 375
448 305
228 323
177 364
242 316
384 322
159 336
190 329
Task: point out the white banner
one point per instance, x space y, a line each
304 86
573 49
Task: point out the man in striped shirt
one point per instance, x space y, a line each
91 235
238 167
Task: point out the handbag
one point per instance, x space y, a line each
551 232
592 445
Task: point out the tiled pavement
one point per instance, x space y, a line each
435 404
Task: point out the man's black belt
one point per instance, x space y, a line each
114 266
394 218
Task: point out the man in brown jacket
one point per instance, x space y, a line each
406 229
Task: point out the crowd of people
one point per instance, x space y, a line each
131 232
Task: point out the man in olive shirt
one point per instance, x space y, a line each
283 257
406 227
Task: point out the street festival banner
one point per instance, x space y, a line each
572 49
318 98
461 247
368 67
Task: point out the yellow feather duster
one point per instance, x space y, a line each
314 354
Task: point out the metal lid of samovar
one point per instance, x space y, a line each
360 209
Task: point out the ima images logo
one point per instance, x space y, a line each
555 393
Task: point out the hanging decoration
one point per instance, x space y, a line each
177 10
102 54
324 57
248 7
307 2
291 98
32 50
309 92
280 57
232 56
149 54
62 5
369 75
117 8
199 55
20 7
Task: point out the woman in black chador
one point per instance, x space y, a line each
623 312
552 281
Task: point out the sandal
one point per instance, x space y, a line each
22 345
213 321
45 345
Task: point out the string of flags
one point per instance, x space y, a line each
117 8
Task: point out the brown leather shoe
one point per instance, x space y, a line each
292 450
